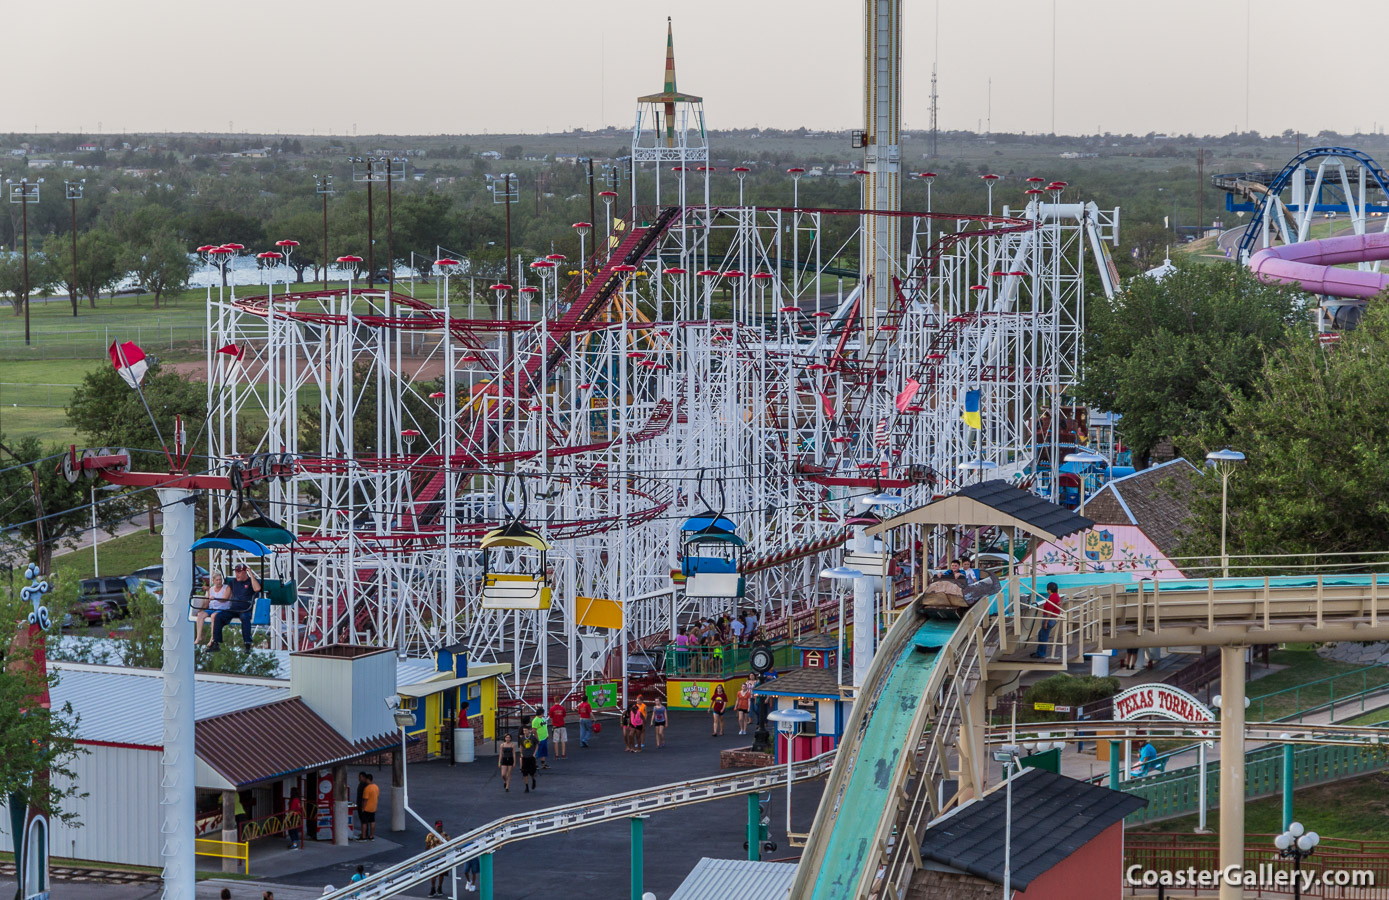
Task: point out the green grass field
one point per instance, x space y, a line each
1355 809
1304 667
118 556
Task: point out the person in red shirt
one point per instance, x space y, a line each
585 722
1051 610
717 705
559 735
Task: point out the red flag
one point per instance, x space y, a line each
129 361
232 350
827 404
905 398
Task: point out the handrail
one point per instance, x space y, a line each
488 838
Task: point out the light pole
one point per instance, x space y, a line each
370 175
74 193
582 228
742 173
989 182
395 171
507 194
323 186
1297 844
1008 755
789 721
25 193
608 197
840 573
404 718
1224 462
795 172
1082 459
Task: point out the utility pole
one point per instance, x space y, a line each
1200 191
370 176
74 192
323 184
392 171
592 213
25 193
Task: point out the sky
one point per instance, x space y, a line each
436 67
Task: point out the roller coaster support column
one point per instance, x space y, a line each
177 795
865 634
1231 765
484 878
755 828
882 156
637 855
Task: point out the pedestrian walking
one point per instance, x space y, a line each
472 870
506 760
634 722
658 722
542 737
296 818
585 721
1051 610
529 744
718 705
559 735
743 704
436 838
359 875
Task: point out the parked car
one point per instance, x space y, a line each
102 599
156 573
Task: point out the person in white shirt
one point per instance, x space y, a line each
736 626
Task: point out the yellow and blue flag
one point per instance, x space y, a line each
971 414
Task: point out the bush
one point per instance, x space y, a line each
1064 690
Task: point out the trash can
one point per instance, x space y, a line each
463 749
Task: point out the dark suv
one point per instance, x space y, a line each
102 599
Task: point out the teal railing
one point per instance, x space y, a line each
1322 693
720 660
1175 793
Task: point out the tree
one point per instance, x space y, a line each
106 412
162 266
1169 355
1315 430
33 739
98 263
52 513
12 278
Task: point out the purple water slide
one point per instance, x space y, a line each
1311 264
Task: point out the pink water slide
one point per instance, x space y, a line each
1312 264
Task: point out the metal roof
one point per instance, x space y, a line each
736 879
993 503
122 705
1053 817
274 740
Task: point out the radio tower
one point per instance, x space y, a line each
934 97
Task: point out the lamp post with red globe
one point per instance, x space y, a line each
608 197
445 267
989 180
742 173
582 229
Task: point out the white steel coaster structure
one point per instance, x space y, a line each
720 343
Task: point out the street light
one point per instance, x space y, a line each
25 193
1297 844
789 721
1008 755
1083 458
74 193
323 186
1224 462
405 718
840 573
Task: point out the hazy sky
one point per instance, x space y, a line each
434 66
